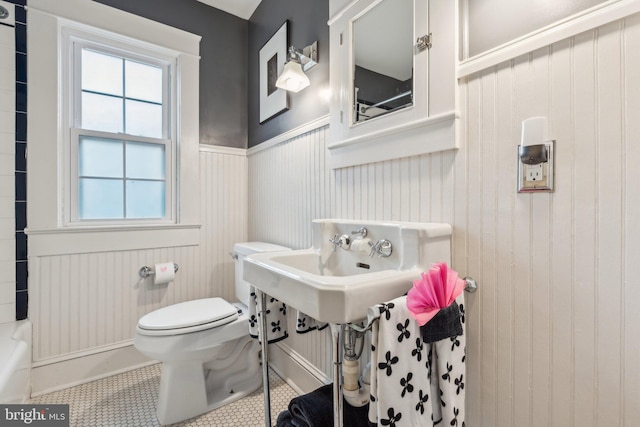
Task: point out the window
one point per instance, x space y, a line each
121 147
154 167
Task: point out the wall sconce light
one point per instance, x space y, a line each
293 77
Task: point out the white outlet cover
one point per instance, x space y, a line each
533 173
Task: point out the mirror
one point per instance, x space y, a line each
383 60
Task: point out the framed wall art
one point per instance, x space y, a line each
273 56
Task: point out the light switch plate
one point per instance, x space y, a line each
538 177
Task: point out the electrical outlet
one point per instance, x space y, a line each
533 173
537 177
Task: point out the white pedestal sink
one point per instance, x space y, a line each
336 280
339 285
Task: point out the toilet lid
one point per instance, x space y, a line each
190 313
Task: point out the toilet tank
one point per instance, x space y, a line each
241 251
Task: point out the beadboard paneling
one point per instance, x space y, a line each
224 217
82 303
552 314
552 331
290 184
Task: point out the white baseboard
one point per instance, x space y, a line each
295 370
61 374
301 375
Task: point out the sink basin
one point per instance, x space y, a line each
338 286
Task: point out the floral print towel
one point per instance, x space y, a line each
413 383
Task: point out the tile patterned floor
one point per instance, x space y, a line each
130 399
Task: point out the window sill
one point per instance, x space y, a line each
77 240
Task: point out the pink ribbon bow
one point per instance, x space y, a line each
436 289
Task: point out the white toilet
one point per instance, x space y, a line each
208 358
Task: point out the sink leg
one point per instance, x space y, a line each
337 332
262 327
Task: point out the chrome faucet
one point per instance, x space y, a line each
382 247
343 241
360 231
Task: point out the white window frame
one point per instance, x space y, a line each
50 230
73 43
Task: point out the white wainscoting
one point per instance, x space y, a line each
553 331
290 184
82 305
553 337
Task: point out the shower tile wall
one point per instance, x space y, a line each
20 159
13 257
7 108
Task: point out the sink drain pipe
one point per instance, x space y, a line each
355 388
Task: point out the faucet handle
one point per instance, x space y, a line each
343 241
382 247
335 241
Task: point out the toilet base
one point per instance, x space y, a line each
188 389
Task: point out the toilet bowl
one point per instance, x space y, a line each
208 358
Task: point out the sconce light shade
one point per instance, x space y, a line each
292 78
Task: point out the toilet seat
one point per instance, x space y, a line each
187 317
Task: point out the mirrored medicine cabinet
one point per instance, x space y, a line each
382 60
392 92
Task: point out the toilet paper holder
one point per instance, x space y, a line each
148 271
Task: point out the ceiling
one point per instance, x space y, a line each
242 8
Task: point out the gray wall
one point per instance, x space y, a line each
223 64
307 23
229 67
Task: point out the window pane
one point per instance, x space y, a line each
101 73
100 198
144 119
145 161
99 157
119 179
143 81
145 199
100 112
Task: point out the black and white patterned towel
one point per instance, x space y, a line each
413 383
305 323
276 317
